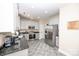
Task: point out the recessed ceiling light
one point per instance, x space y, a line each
46 11
33 7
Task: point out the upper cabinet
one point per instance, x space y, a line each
26 23
21 9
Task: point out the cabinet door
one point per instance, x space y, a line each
37 35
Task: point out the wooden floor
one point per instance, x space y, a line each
40 48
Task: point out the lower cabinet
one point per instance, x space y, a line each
37 36
27 36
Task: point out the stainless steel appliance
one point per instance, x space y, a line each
51 34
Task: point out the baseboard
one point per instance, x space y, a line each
63 52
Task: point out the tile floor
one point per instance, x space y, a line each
40 48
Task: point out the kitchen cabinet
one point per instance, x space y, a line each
17 49
37 36
27 36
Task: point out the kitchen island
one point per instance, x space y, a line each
20 49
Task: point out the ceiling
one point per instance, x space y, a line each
39 10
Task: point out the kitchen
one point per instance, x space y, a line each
30 27
41 29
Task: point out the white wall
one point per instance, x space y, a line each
6 17
54 19
69 39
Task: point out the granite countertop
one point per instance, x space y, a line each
29 30
23 45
